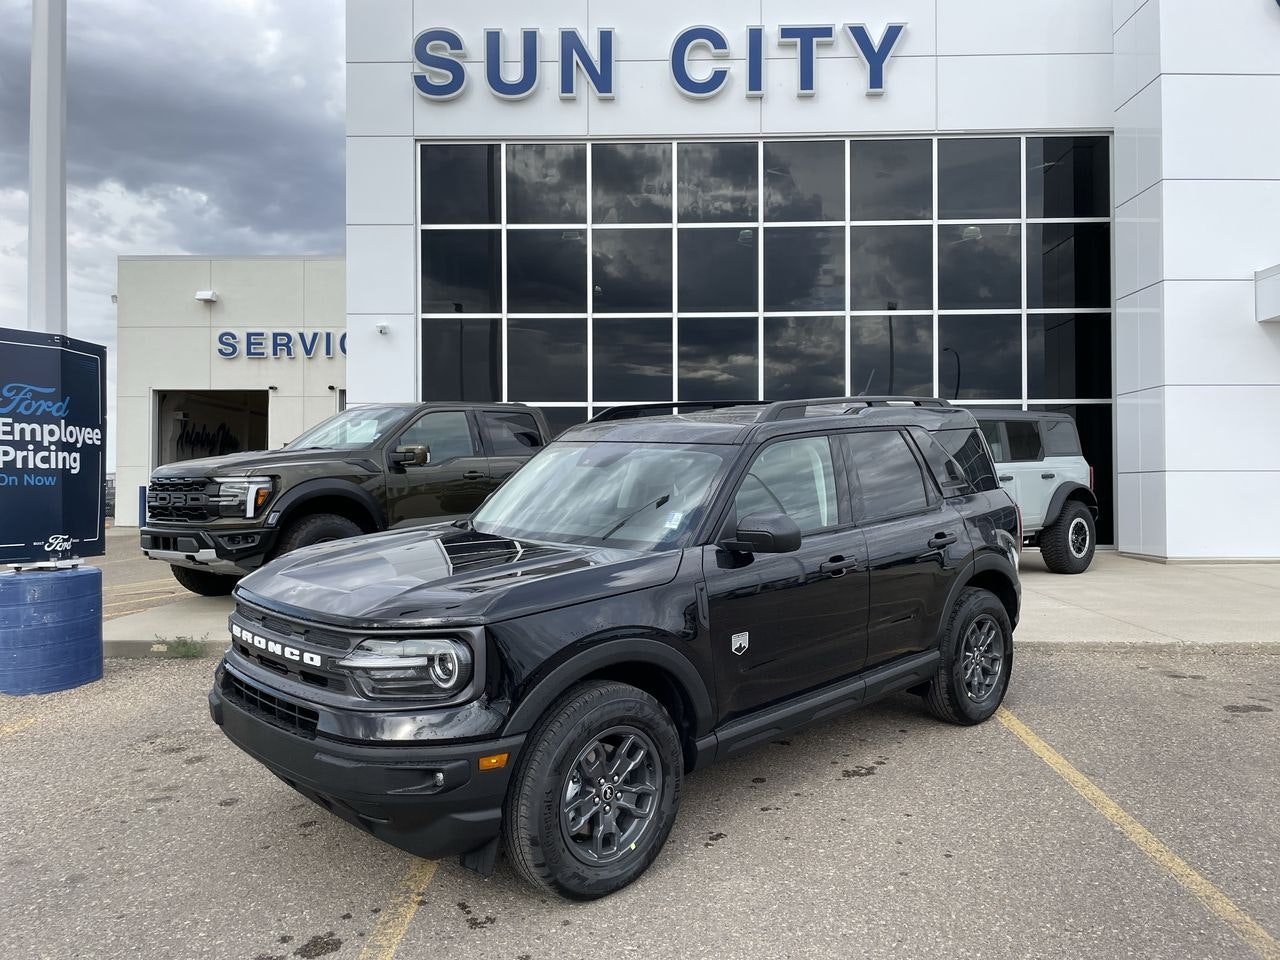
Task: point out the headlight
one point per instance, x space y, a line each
242 496
413 667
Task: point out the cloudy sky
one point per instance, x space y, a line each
194 126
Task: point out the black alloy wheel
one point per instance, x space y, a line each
610 795
982 657
975 660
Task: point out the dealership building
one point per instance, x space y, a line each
1060 204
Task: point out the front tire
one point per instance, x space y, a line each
203 582
1067 544
596 791
316 528
977 657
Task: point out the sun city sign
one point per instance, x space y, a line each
441 76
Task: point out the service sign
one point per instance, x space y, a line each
53 455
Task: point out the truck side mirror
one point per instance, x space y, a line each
415 455
766 533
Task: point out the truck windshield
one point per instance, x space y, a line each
648 496
351 429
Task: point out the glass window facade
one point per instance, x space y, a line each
593 274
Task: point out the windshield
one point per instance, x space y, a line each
648 496
351 429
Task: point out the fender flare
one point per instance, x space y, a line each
1065 490
328 487
981 563
608 654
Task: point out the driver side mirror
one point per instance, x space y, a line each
412 456
766 533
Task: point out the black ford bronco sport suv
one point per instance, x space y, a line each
645 596
368 468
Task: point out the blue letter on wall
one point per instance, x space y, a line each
445 76
806 40
227 345
755 61
875 55
575 56
714 40
511 89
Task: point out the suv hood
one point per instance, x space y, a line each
444 575
250 461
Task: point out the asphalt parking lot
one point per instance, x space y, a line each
130 827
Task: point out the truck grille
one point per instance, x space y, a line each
179 499
273 709
293 631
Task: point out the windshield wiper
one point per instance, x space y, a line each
653 504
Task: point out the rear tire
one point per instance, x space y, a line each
316 528
1067 544
203 582
977 658
605 758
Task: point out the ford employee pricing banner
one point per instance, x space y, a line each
53 454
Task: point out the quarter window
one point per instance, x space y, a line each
446 434
888 474
967 449
1024 440
795 477
511 434
1060 438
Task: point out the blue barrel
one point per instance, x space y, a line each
50 630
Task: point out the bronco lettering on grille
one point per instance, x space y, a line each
276 648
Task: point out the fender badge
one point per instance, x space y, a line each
739 642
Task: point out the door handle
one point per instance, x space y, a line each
1047 476
1006 478
942 539
473 475
837 566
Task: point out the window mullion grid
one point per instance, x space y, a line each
937 305
419 334
675 273
502 186
848 270
1022 184
591 298
759 269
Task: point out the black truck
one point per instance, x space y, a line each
645 596
369 468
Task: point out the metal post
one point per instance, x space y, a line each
47 236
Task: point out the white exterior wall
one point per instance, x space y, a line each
167 340
1197 204
1197 190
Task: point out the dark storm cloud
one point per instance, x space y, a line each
236 105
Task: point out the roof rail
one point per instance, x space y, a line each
794 409
630 411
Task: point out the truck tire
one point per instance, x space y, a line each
977 657
316 528
1067 543
204 582
595 793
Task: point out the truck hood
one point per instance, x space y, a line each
252 461
445 575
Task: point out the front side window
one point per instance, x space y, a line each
446 434
794 477
511 434
649 496
888 474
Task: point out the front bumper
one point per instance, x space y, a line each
230 551
429 800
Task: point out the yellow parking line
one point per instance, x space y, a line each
394 920
1214 900
139 599
16 727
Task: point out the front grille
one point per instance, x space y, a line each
273 709
294 631
179 499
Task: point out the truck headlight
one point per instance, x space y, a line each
242 496
411 667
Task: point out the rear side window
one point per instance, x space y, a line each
995 439
1024 440
795 477
511 434
967 449
888 474
1060 438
